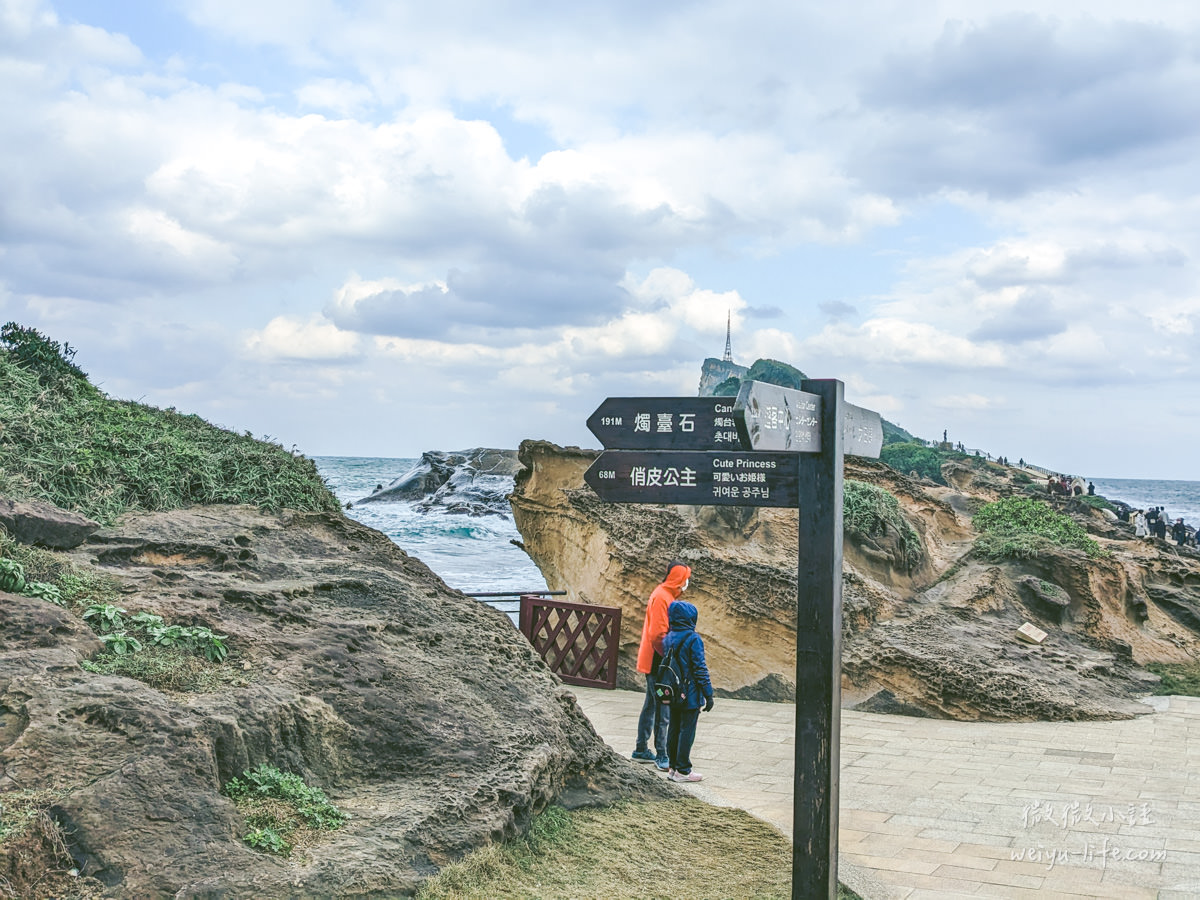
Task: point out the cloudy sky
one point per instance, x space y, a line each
380 227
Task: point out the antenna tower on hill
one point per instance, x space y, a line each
728 344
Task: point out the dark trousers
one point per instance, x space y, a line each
652 723
681 733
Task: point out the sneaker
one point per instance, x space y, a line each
671 773
642 756
690 776
663 763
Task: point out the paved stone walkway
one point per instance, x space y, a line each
939 809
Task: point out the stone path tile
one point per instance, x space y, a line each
938 809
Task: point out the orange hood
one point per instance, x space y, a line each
676 579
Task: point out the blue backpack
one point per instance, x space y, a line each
668 685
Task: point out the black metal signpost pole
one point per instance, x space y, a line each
819 655
772 446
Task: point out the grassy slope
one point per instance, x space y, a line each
666 850
67 443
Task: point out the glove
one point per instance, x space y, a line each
708 703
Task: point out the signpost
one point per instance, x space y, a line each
771 417
666 423
692 478
786 450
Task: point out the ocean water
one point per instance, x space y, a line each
1180 499
473 554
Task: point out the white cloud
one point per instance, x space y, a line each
313 339
964 402
336 95
897 341
979 195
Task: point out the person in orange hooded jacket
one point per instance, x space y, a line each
655 715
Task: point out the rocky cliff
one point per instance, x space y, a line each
927 633
472 482
423 714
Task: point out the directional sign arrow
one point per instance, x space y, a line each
666 423
862 431
696 478
778 418
771 417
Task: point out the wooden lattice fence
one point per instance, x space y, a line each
577 640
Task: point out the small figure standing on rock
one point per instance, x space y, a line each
696 693
1091 489
1179 532
655 715
1140 528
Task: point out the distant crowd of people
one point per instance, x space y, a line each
1147 523
1062 486
1153 523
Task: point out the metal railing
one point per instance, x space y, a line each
578 641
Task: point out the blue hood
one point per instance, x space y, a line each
682 616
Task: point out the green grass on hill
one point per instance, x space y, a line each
1024 528
666 850
64 441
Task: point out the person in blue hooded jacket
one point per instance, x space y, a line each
696 693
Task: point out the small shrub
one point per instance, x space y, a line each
1095 501
914 457
1178 679
1050 589
268 840
43 590
869 510
145 621
120 644
211 646
12 576
74 585
167 635
1024 528
32 350
280 803
199 639
104 617
997 548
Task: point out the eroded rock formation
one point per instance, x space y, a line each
937 638
422 713
465 482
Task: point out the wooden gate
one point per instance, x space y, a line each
577 640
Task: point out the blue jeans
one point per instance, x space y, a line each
680 736
654 718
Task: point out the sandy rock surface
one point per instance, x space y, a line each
938 638
422 713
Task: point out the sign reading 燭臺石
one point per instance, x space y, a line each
666 423
696 478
